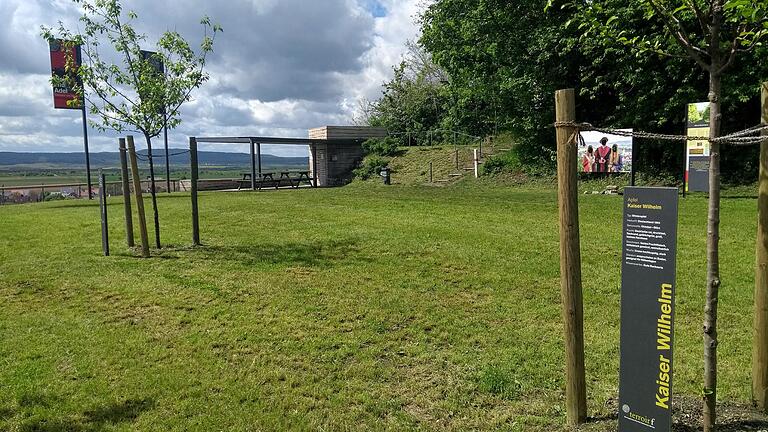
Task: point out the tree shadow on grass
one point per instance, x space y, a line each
307 254
98 419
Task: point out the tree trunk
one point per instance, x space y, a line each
153 190
713 260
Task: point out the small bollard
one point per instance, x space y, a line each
385 173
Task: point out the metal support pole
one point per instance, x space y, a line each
103 206
193 187
633 170
315 177
253 165
258 157
570 260
87 155
477 163
167 156
153 192
126 194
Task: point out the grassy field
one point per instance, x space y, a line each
360 308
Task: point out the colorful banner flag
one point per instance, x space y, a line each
64 94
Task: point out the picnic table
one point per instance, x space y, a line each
269 178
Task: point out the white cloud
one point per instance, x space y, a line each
280 67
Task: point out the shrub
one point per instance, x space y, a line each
506 162
381 146
370 167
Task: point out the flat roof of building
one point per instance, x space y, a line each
275 140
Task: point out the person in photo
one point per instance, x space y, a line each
588 160
603 156
616 160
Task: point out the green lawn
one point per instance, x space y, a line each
360 308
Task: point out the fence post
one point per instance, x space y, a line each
193 187
126 194
760 347
476 163
430 172
103 208
139 200
570 259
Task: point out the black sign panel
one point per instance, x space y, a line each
698 173
647 308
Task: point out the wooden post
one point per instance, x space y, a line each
570 259
477 164
430 172
760 346
139 200
193 187
253 165
126 194
103 208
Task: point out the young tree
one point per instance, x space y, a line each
711 33
122 85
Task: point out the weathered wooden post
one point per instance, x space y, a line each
126 194
570 258
103 208
430 172
760 347
477 164
139 200
193 188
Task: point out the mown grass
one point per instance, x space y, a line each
360 308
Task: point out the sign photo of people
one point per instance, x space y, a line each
605 153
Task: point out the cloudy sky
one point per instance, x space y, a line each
280 67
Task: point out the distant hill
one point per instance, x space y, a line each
112 159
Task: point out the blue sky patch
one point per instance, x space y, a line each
375 7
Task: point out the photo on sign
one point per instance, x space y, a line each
605 153
698 115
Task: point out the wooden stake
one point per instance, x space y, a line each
126 194
430 172
760 347
139 199
193 169
570 259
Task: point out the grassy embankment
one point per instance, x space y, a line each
357 308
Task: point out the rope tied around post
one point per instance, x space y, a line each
747 136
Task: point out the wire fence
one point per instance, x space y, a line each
435 137
22 194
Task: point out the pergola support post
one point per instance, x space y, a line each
253 166
258 157
193 188
313 149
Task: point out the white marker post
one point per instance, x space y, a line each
477 164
